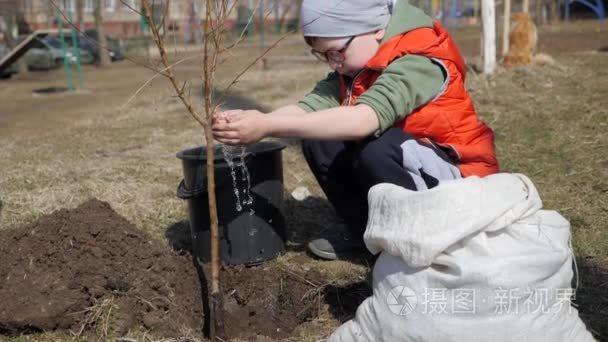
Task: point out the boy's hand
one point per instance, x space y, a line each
224 116
238 127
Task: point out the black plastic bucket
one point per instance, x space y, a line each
249 236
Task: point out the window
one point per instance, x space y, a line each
38 44
53 42
89 6
109 5
68 5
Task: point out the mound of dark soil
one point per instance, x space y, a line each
90 271
85 268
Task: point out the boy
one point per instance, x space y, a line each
395 110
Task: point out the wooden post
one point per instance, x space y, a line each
506 27
526 6
488 20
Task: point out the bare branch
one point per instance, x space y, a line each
231 9
163 55
159 73
234 81
266 16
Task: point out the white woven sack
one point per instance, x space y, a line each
474 259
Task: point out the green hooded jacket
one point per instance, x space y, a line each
407 83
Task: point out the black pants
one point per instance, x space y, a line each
347 170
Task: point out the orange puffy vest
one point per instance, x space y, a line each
449 120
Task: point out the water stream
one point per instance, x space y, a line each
235 158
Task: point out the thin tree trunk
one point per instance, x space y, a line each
286 7
298 8
506 27
488 19
104 58
209 64
11 26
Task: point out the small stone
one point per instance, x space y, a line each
300 193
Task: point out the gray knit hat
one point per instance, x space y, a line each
342 18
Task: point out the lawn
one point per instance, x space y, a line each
551 123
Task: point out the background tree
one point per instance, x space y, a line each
283 8
80 15
13 20
104 58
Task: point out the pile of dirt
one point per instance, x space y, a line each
90 271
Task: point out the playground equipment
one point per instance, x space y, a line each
20 50
597 7
66 62
23 47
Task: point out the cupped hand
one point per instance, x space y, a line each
239 127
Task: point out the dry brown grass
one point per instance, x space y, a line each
551 123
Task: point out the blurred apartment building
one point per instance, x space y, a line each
183 17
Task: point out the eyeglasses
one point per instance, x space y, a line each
336 56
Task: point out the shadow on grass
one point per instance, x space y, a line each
307 219
592 297
179 237
312 218
304 220
344 300
235 100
